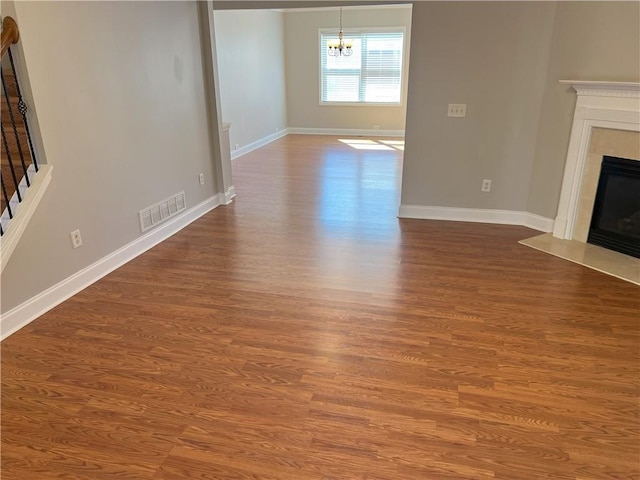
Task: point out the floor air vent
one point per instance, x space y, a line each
161 212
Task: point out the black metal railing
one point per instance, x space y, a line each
19 164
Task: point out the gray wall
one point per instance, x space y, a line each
250 52
591 41
493 57
303 69
121 104
504 60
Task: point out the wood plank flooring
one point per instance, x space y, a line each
306 333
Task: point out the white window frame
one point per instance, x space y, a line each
352 31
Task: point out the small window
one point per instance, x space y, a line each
372 74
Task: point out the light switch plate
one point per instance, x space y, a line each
457 110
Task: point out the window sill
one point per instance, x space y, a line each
359 104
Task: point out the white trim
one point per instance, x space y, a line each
227 197
613 105
346 132
360 104
372 6
476 215
538 222
461 214
305 131
360 30
23 212
23 314
258 143
605 89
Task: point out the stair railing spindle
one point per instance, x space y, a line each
22 108
13 124
6 198
11 168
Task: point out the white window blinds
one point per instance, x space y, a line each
372 74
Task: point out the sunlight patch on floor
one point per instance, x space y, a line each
364 144
399 144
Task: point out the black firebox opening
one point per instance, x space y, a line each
615 223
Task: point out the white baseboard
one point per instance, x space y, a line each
346 131
478 215
227 197
258 143
538 222
23 314
313 131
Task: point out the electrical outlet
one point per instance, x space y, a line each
76 239
236 146
201 178
457 110
376 127
486 185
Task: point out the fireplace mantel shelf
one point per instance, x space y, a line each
605 89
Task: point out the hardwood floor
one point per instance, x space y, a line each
306 333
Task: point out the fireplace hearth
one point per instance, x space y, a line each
606 122
615 223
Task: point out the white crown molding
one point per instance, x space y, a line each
22 315
605 89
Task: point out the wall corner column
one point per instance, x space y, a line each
221 159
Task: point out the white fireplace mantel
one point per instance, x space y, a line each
614 105
605 89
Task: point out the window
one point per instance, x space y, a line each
373 74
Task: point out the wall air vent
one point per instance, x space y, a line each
162 211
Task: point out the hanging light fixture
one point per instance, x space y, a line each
340 48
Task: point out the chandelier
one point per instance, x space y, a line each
340 48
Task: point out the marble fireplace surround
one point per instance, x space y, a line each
606 122
604 141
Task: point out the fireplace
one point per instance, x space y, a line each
602 108
615 223
606 123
